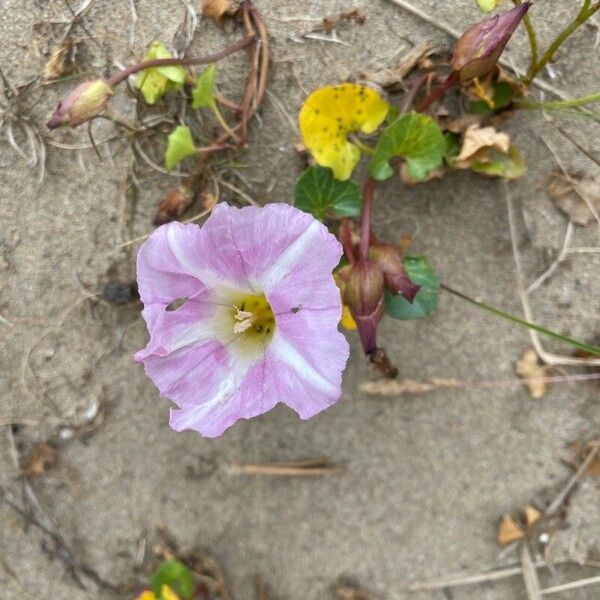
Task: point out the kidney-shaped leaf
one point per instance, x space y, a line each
317 192
425 302
414 137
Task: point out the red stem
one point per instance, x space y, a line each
365 221
438 92
183 62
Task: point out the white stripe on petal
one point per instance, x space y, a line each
285 352
179 245
289 257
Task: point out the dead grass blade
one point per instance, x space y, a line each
315 467
573 585
530 576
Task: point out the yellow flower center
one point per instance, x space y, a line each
253 317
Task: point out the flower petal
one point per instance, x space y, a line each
277 243
330 114
171 330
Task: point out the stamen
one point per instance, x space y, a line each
245 318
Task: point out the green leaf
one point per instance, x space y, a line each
155 82
508 166
416 138
180 145
425 302
503 94
203 93
317 191
488 5
177 576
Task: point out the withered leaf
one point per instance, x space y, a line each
39 460
174 204
61 61
576 196
217 9
478 141
533 373
529 368
509 531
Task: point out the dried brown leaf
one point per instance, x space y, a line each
477 143
534 374
174 204
217 9
574 196
39 460
61 61
531 515
509 531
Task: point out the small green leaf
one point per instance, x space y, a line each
503 94
180 145
425 302
155 82
488 5
203 93
317 191
177 576
508 166
414 137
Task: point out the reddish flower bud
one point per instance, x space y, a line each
389 260
83 103
479 48
363 294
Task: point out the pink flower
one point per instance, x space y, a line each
259 321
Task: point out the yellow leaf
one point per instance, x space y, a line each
147 595
327 117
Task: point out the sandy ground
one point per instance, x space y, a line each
426 478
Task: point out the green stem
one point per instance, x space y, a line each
531 34
583 101
362 146
585 13
500 313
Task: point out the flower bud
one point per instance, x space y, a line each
83 103
477 51
389 260
363 294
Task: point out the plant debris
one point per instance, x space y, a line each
578 452
217 9
354 15
39 460
576 195
534 374
516 527
392 78
176 201
62 60
298 468
477 143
